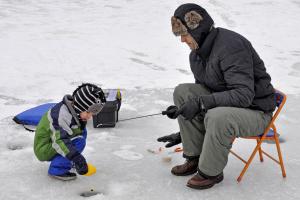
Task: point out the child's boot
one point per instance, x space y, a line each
65 177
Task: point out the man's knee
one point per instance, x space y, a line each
183 91
179 91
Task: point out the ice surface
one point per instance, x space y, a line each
48 47
127 154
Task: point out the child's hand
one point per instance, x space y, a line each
80 164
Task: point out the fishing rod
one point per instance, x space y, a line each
143 116
165 112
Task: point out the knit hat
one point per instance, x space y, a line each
191 19
88 97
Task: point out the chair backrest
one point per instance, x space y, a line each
280 98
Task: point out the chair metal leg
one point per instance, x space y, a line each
249 161
260 152
279 154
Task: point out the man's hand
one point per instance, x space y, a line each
172 139
191 108
171 112
80 164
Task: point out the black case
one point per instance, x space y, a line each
108 116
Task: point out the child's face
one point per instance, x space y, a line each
84 116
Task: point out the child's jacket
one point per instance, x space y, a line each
55 131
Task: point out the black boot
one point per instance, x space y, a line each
65 177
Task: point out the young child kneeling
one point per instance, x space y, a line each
61 134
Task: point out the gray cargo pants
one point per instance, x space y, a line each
211 137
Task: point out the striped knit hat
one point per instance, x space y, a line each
88 97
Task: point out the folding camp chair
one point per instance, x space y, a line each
270 133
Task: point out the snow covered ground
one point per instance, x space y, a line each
48 47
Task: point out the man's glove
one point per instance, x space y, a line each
191 108
172 139
80 164
171 112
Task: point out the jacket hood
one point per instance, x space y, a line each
196 20
67 100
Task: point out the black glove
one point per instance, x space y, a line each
172 139
80 164
171 112
191 108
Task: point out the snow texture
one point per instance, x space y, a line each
48 47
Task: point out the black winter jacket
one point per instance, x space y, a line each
229 66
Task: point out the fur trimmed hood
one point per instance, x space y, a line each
192 19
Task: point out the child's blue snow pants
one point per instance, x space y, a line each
60 165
